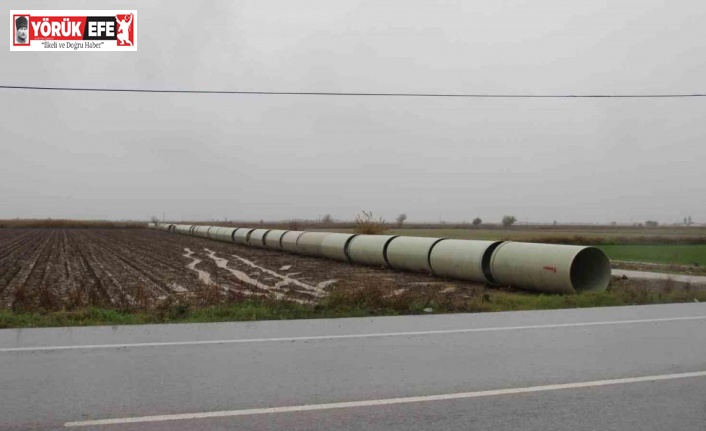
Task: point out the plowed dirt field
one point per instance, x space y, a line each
54 269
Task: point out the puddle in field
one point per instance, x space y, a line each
282 280
178 288
326 283
285 267
286 279
245 278
203 275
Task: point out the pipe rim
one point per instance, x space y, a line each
590 270
486 261
346 245
262 240
384 249
431 268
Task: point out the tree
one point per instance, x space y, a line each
651 223
477 221
400 219
327 219
509 220
689 222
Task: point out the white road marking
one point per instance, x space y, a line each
383 402
348 336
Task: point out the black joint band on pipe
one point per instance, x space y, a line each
429 255
345 248
232 235
265 236
485 262
280 238
296 242
384 249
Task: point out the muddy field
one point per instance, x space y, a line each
53 269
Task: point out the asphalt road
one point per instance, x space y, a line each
621 368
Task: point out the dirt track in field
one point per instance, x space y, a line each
66 268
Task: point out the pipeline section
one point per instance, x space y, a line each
545 268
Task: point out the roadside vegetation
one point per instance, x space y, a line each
367 224
343 301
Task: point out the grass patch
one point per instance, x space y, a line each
668 254
379 300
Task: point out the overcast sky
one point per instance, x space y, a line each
203 157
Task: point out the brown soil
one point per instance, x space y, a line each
52 269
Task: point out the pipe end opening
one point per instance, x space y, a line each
590 270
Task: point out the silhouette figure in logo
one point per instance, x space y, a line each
21 24
124 29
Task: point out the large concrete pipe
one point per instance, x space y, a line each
411 253
369 249
183 229
214 231
242 235
309 243
550 268
257 237
202 231
335 246
463 259
225 234
289 240
273 239
546 268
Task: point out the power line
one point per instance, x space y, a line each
320 93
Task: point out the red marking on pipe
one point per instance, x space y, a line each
550 268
